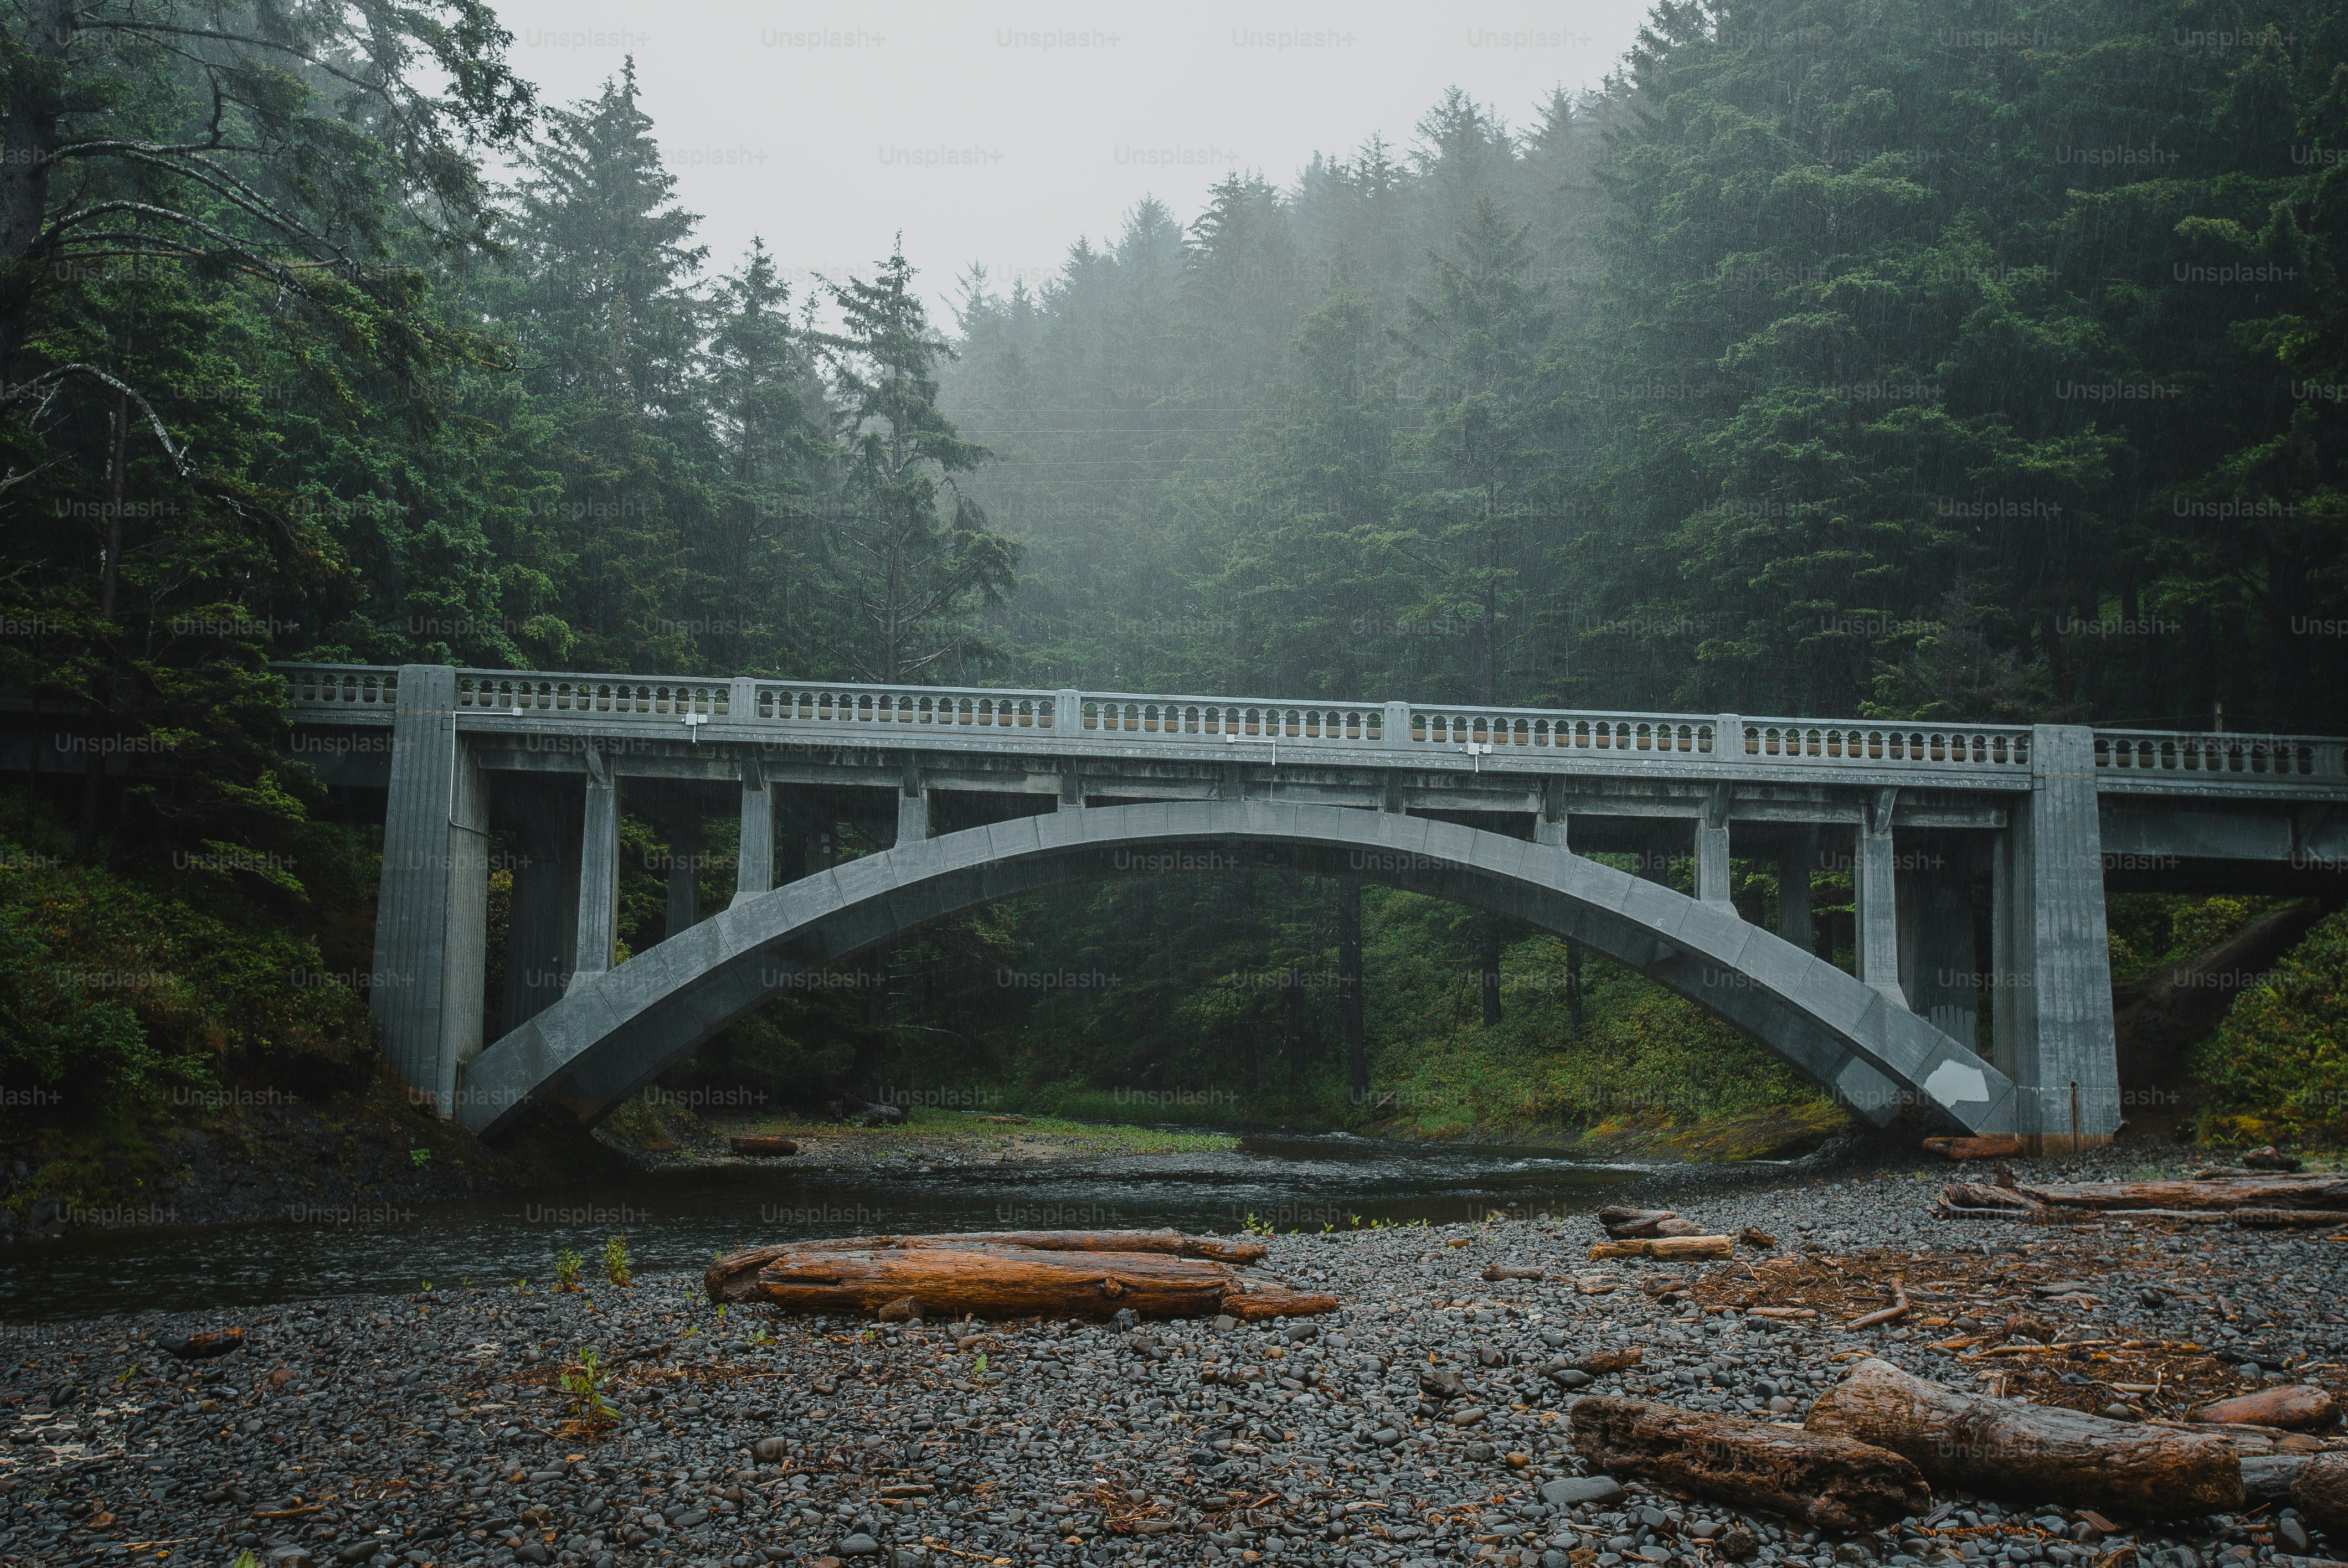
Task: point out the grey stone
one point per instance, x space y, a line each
858 1545
1569 1490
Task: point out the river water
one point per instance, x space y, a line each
678 1219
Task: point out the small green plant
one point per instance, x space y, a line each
419 1158
591 1413
245 1559
981 1364
567 1264
615 1261
762 1337
522 1287
1254 1226
425 1284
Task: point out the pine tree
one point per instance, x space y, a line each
915 551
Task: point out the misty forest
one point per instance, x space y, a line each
1934 360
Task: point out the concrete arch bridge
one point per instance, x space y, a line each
992 794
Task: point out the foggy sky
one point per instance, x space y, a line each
1000 136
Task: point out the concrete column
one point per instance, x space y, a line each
912 807
542 922
684 871
599 871
1877 897
1550 822
1067 713
432 909
1937 965
1796 860
2052 1012
1712 870
755 871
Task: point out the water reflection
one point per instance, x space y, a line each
679 1219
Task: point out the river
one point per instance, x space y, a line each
678 1219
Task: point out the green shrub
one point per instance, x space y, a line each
2278 1067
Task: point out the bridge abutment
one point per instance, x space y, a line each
431 941
2051 958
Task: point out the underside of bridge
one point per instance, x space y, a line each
607 1037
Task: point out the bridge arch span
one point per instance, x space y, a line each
614 1031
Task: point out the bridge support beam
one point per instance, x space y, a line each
432 914
912 807
1796 860
754 870
684 870
2052 1013
542 926
1875 887
599 871
1938 971
1712 869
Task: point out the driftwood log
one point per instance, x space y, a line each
2321 1492
2294 1407
1017 1273
2250 1205
761 1143
1827 1480
1991 1148
2260 1192
1666 1248
2006 1448
1623 1223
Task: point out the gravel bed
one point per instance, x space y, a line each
1423 1424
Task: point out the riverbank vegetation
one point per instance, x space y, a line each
1926 359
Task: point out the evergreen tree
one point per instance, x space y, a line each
915 551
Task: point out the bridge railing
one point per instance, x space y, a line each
326 692
1989 747
2187 754
341 686
1131 716
524 694
938 707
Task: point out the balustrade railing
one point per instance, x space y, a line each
2184 752
1341 723
354 691
938 707
1843 741
524 695
340 685
1658 734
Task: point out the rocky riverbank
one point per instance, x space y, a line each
1423 1425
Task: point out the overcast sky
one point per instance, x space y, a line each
1001 135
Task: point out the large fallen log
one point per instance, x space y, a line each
1972 1200
2262 1192
989 1275
1829 1482
1670 1246
1172 1243
2006 1448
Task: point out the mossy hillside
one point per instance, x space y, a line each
2277 1069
